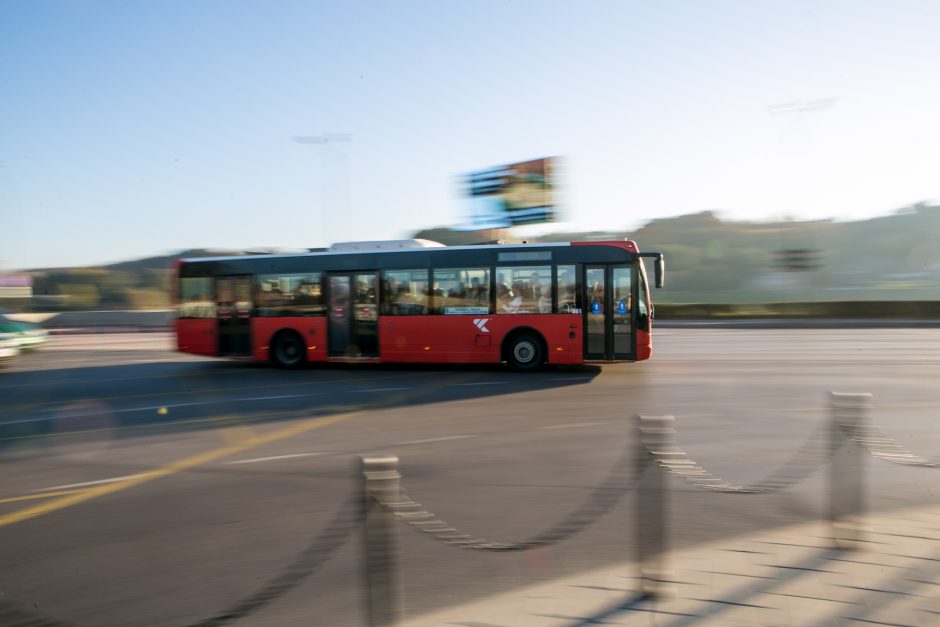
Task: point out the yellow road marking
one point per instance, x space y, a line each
168 469
80 495
238 432
43 495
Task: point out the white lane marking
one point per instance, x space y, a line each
17 422
270 398
430 440
88 483
67 415
150 408
574 425
255 460
483 383
127 410
385 389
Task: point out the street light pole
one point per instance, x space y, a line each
326 143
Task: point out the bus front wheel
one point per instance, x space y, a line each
288 350
525 353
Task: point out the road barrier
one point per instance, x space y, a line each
381 503
656 457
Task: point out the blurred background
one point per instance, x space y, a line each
774 153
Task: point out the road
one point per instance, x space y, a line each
142 487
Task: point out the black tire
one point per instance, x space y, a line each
288 350
525 353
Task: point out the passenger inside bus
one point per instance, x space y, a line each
503 298
597 297
541 294
476 292
516 302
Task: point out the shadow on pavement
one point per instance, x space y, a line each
140 399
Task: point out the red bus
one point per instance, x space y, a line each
418 301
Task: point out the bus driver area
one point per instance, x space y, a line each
415 301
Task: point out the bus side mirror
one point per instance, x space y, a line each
660 271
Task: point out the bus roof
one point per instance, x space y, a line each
397 246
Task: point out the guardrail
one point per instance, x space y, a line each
381 504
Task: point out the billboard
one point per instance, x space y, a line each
16 286
514 194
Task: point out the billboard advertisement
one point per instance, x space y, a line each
16 286
514 194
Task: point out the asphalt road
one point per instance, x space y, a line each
141 487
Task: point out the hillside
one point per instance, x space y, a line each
895 257
708 260
136 284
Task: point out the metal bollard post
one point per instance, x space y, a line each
385 600
655 439
847 468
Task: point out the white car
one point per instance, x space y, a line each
26 334
9 347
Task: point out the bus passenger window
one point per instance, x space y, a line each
461 291
406 292
195 300
289 295
530 290
565 279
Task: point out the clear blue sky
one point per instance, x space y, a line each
136 128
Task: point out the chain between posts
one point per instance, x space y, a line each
601 500
881 446
316 553
808 458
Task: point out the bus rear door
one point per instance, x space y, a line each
233 310
353 314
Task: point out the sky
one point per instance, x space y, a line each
129 129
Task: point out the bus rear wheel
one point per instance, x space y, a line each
525 353
288 350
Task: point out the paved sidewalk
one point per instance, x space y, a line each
783 577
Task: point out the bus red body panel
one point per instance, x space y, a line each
625 244
474 339
451 339
311 328
197 335
644 345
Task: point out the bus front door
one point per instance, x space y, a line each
608 311
353 314
233 309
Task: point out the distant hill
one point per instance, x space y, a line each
136 284
162 262
894 257
708 260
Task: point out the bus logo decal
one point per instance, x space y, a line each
481 324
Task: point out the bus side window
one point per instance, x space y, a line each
289 295
461 291
405 292
565 279
523 289
195 300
